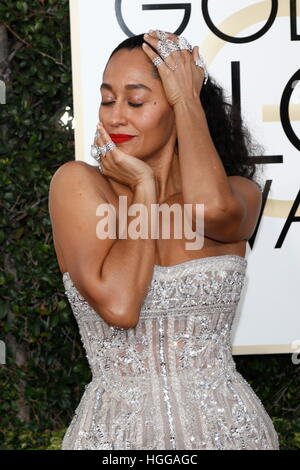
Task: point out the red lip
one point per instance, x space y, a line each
117 138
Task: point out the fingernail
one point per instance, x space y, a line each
151 31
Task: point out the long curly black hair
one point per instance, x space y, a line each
231 137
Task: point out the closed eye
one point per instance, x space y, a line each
135 105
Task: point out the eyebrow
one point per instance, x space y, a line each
131 86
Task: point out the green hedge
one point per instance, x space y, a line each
46 368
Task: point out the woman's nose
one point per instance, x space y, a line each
116 114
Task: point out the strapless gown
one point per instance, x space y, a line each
170 382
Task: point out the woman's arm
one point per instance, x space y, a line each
128 267
204 179
231 204
111 274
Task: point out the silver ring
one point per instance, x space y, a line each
95 151
166 47
157 61
110 146
98 152
200 63
162 34
103 150
171 45
163 49
184 44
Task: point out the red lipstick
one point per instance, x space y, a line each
118 138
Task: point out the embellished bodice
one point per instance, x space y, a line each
184 323
170 382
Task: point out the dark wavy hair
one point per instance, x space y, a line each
231 137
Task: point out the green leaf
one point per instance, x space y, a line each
22 6
4 309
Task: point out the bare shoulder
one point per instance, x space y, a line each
77 173
74 166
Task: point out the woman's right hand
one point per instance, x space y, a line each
120 166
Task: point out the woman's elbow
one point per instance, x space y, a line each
119 319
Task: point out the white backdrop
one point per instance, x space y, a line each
268 316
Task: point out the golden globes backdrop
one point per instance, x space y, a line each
252 49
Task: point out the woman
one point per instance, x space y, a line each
155 317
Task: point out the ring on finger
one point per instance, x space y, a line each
184 44
98 152
163 49
110 146
162 34
157 61
200 63
95 151
103 150
172 46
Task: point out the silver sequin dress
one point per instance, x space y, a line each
170 382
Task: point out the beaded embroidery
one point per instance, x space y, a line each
170 382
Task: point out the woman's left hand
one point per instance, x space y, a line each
185 82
